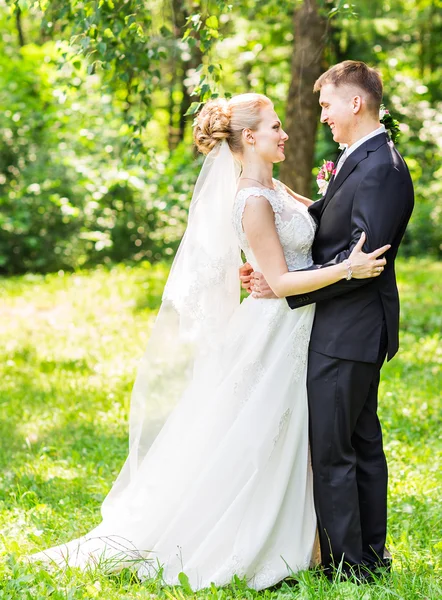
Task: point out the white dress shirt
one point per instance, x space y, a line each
349 149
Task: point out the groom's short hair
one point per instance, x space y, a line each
355 72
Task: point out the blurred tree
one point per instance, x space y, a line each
184 57
21 37
85 79
128 43
310 34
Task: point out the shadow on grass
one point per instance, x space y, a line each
76 461
60 401
28 356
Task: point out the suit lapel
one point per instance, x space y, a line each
314 209
351 163
333 177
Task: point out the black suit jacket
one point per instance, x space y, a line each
372 192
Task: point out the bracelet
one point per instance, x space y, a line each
349 270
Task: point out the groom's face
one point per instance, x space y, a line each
337 110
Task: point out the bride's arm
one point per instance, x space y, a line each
260 230
298 197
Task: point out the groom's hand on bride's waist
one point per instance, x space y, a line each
260 287
245 275
254 282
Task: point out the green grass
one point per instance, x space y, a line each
69 349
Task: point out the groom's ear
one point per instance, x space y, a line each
356 104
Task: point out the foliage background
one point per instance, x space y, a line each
96 159
97 168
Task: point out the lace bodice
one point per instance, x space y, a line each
295 227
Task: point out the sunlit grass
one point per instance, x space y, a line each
69 348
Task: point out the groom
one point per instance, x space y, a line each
356 323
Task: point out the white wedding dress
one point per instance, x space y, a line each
226 488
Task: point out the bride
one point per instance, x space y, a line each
217 481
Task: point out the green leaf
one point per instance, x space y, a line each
184 580
85 42
204 89
212 22
193 108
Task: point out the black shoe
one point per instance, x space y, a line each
358 574
290 581
371 573
381 566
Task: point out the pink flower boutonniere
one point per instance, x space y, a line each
324 175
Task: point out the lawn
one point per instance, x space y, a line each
70 345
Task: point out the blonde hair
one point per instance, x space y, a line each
222 119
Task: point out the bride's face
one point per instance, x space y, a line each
270 137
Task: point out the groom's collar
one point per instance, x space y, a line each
350 149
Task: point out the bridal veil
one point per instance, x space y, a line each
201 293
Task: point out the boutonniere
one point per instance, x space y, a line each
390 124
324 175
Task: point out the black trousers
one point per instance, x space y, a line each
349 467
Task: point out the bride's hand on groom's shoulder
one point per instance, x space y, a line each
365 266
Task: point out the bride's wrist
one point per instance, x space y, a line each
348 271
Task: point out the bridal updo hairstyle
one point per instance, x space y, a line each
222 119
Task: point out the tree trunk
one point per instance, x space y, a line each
21 37
302 104
178 122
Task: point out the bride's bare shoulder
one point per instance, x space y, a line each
298 197
249 187
255 189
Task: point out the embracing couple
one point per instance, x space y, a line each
254 431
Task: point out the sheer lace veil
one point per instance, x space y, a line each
200 295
